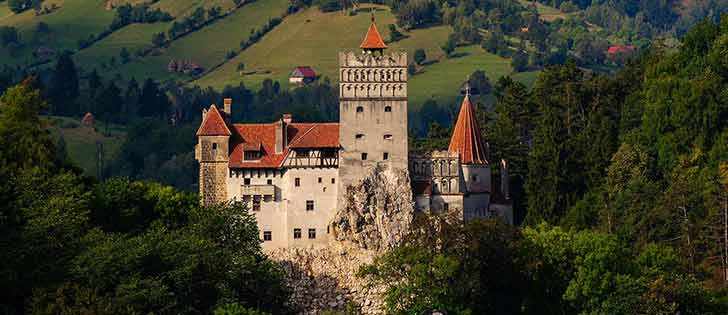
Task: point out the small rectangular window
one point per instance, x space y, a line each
256 203
363 156
320 180
309 205
387 109
296 233
270 182
246 181
387 137
312 233
297 182
333 180
359 109
359 136
267 236
385 156
214 146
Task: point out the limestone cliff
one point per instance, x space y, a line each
376 215
377 211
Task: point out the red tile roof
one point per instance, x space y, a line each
304 72
466 138
372 40
620 49
213 124
300 135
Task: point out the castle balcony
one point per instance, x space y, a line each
258 190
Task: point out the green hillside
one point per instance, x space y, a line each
73 20
81 141
315 38
206 47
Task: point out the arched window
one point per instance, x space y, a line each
359 109
387 109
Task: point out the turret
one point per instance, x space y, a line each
467 142
213 138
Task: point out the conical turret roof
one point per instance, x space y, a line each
213 124
466 138
372 40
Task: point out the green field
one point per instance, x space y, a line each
81 141
547 13
133 37
74 20
315 38
209 45
4 10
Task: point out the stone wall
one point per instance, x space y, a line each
325 279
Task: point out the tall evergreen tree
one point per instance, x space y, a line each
64 88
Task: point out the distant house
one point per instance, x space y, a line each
88 120
302 75
619 53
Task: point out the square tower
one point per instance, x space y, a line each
373 109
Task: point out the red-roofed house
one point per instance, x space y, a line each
294 176
302 75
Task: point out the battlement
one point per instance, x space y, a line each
366 75
350 59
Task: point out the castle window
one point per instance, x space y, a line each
359 136
387 109
270 182
246 181
333 180
475 178
256 203
309 205
385 156
297 182
214 146
320 180
311 234
387 137
363 156
359 109
296 233
267 236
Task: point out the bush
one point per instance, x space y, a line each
420 56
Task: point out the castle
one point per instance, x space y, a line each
292 175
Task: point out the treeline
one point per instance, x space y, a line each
489 267
127 14
74 245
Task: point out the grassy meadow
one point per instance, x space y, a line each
81 141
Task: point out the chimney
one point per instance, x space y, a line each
505 182
228 106
282 132
287 118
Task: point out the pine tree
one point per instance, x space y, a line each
64 88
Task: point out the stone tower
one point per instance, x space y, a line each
211 152
372 109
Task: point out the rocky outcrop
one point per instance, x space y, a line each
377 211
326 279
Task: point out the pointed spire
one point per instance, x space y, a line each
466 138
373 41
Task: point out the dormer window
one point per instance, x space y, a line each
252 155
